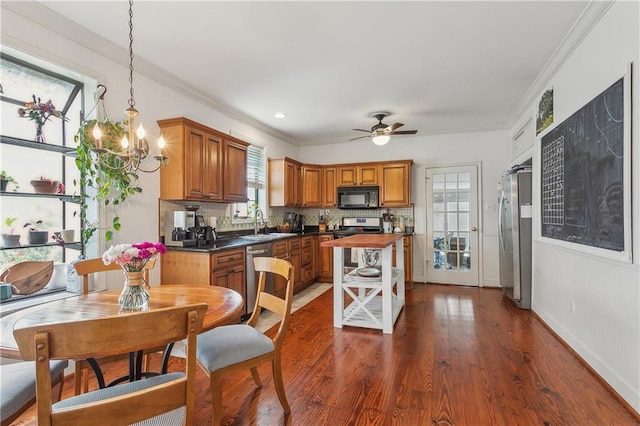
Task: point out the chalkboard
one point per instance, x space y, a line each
582 174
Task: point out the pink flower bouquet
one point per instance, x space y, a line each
133 257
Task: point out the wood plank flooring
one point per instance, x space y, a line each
458 356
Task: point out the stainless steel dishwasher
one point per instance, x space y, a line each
256 250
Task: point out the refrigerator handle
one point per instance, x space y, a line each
500 210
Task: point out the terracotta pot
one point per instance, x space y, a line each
45 186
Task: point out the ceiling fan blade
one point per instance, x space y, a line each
362 130
404 132
361 137
394 126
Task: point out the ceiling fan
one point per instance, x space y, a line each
381 133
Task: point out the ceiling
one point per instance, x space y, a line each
438 67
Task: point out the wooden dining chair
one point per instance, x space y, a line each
84 269
18 387
231 348
162 399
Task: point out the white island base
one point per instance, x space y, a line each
374 303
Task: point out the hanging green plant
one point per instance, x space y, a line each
113 183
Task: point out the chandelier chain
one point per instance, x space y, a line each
132 101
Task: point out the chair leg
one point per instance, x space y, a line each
85 379
216 396
256 377
77 377
279 383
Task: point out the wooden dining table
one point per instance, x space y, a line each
223 307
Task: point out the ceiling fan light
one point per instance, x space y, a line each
381 139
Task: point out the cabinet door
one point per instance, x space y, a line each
235 172
297 185
395 190
368 175
194 163
408 262
347 175
212 179
329 185
297 269
312 186
325 266
290 184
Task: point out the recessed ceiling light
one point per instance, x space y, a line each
279 115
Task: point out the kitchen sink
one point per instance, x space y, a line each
267 237
258 237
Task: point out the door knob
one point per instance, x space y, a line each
474 229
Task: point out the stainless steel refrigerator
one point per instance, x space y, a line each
514 231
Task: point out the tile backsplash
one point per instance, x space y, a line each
220 213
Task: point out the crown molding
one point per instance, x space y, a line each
591 15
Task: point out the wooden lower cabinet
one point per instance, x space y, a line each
185 267
225 268
228 270
408 262
307 260
325 259
288 250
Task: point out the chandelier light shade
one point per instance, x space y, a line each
134 150
381 139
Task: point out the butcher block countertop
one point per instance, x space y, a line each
363 241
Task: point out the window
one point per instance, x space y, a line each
23 79
256 184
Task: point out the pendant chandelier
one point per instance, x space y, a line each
134 149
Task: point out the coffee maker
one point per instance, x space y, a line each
180 227
295 220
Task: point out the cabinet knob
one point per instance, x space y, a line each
474 229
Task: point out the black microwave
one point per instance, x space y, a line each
358 197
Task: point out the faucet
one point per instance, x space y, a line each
255 223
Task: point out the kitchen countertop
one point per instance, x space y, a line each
225 243
241 241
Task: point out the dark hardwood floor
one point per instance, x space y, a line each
458 356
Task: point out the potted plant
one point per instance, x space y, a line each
5 180
46 186
10 239
35 235
113 185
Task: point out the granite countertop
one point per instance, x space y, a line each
232 241
224 243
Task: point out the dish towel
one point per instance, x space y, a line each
356 256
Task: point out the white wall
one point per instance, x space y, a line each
604 327
154 101
490 149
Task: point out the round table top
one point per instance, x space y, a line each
223 306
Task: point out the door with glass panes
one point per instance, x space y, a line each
452 224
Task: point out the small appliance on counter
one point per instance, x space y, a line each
179 228
294 219
205 235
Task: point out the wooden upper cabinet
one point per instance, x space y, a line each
212 179
203 165
358 174
235 170
195 161
395 185
329 187
311 186
285 182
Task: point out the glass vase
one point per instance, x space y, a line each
40 133
134 295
